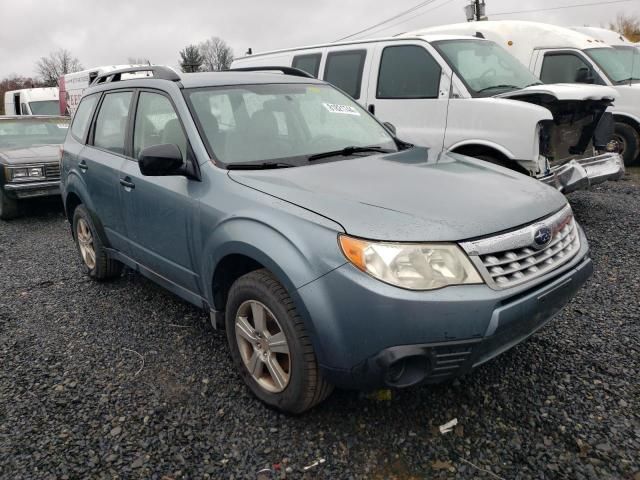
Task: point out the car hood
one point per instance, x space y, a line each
416 195
565 91
35 154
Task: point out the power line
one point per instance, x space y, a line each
412 9
412 17
559 8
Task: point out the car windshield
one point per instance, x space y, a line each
621 64
25 132
486 68
261 123
45 107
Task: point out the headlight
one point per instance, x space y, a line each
24 173
414 266
19 173
36 172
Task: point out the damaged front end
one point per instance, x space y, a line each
577 145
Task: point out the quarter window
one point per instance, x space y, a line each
344 70
565 68
111 124
308 63
82 118
408 71
157 123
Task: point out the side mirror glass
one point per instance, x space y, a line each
584 75
161 160
391 127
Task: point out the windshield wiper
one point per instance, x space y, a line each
626 80
259 166
498 86
347 151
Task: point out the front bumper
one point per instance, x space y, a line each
586 172
368 334
33 189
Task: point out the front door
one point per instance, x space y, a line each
410 89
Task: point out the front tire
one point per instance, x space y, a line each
95 260
8 206
629 140
270 346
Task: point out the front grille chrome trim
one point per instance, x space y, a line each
513 258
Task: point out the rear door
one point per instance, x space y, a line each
160 212
101 160
409 88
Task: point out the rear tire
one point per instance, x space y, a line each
95 260
255 299
8 206
629 140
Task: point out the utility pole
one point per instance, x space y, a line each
476 11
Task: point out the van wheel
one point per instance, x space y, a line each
629 140
8 206
95 260
270 346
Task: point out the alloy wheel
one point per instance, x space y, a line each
85 242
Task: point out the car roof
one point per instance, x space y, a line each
33 117
228 78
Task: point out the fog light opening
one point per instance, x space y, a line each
407 371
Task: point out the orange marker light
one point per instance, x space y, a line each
510 43
353 249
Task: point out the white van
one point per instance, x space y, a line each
426 86
562 55
72 85
31 101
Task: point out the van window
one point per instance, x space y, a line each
564 68
408 71
308 63
344 70
157 123
111 124
82 118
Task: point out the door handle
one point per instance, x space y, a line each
128 185
83 166
372 109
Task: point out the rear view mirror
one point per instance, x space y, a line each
161 160
391 127
585 75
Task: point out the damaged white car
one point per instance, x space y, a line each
469 96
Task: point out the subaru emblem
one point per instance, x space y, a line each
542 236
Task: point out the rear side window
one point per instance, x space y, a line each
82 118
344 70
563 68
111 124
408 71
308 63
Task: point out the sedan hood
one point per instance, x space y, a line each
417 195
565 91
35 154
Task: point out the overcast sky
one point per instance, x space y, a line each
108 32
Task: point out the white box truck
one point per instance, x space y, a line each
563 55
31 101
467 95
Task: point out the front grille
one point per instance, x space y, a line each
514 258
52 171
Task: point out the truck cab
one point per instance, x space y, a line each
421 84
580 55
31 101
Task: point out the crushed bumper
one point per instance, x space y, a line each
586 172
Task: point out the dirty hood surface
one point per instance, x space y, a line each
35 154
417 195
566 91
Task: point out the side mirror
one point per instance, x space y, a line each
391 127
161 160
585 75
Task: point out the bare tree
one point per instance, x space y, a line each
15 82
216 54
627 25
138 61
55 65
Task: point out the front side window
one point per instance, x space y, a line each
28 131
111 124
45 107
289 122
308 63
157 123
344 70
485 68
82 117
408 71
621 64
565 68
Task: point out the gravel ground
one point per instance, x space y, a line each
123 380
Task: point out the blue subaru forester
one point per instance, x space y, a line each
330 251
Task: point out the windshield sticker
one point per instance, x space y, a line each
62 125
346 109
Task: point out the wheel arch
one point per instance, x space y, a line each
487 149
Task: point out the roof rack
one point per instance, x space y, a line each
296 72
159 72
